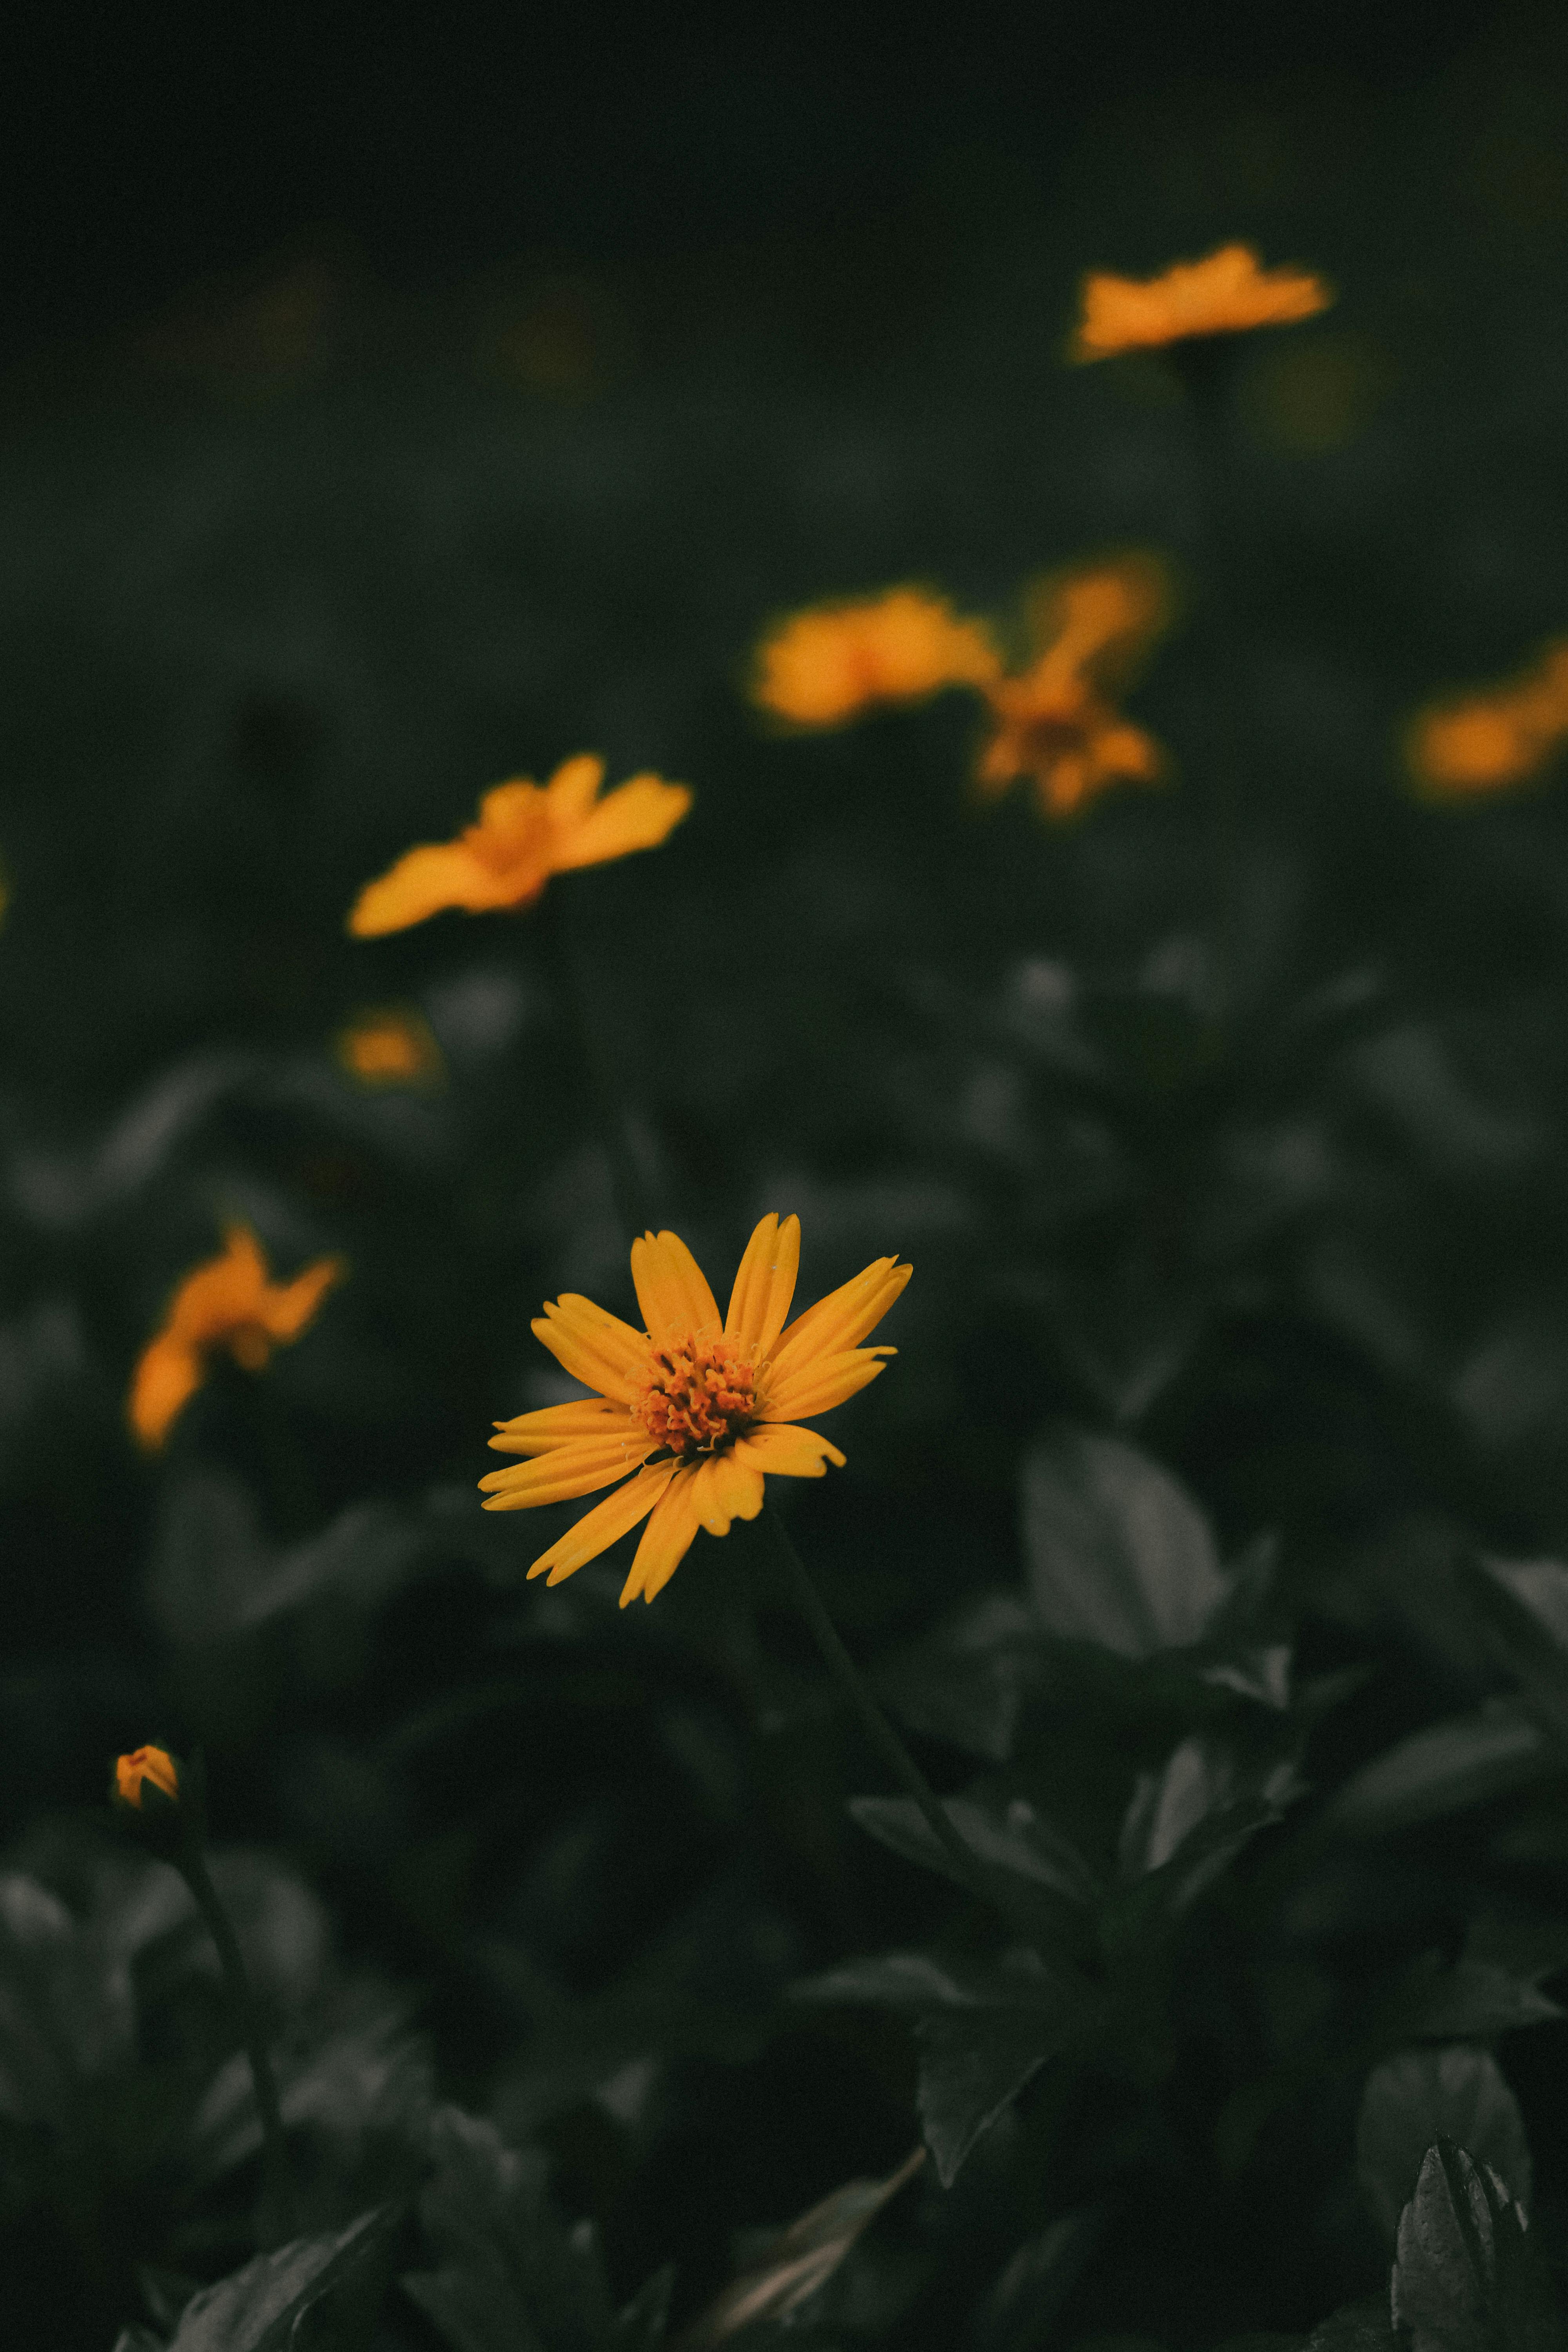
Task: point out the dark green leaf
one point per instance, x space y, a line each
258 2309
473 2304
1017 2313
1016 1840
1358 2327
1466 2278
1418 2096
791 2267
640 2325
1524 1606
1450 1764
1118 1552
974 2063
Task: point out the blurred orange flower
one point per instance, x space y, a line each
1053 721
142 1765
228 1302
526 832
828 663
697 1409
389 1048
1482 742
1224 294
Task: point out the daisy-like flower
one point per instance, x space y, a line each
526 832
228 1302
698 1410
389 1048
1053 722
1225 293
1485 742
827 664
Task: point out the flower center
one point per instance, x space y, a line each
696 1395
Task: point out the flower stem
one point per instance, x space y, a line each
608 1111
279 2203
878 1728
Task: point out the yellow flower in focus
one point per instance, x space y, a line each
143 1764
822 666
389 1048
228 1302
1486 742
1224 294
525 832
1053 721
697 1409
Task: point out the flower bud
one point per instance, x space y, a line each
133 1772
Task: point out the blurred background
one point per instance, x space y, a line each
388 408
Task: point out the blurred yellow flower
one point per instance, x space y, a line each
142 1765
826 664
227 1302
526 832
1225 293
1482 742
698 1410
1053 721
389 1048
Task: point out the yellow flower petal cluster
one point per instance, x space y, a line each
389 1048
691 1413
526 832
1484 743
227 1302
1225 293
826 664
132 1773
1051 722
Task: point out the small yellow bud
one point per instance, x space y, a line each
154 1764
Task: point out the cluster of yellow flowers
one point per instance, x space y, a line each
686 1417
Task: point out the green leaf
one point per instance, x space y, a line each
1118 1553
1523 1605
259 2308
1493 1987
790 2267
1457 1762
473 2304
1418 2096
1014 2315
1466 2278
1017 1839
640 2325
1355 2327
974 2065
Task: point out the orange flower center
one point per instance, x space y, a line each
696 1395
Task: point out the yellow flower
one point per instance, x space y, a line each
526 833
1485 741
1052 721
143 1764
1224 294
228 1302
697 1409
389 1048
821 666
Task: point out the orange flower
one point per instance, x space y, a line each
1053 722
1222 295
525 832
228 1302
698 1410
1485 741
389 1048
822 666
144 1764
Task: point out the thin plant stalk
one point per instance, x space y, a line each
280 2204
878 1728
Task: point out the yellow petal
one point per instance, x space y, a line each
561 1475
783 1451
666 1540
726 1489
598 1530
596 1347
672 1289
167 1376
765 1284
423 882
638 815
841 1320
822 1381
562 1424
573 790
287 1309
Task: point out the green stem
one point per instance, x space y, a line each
878 1728
280 2201
608 1111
